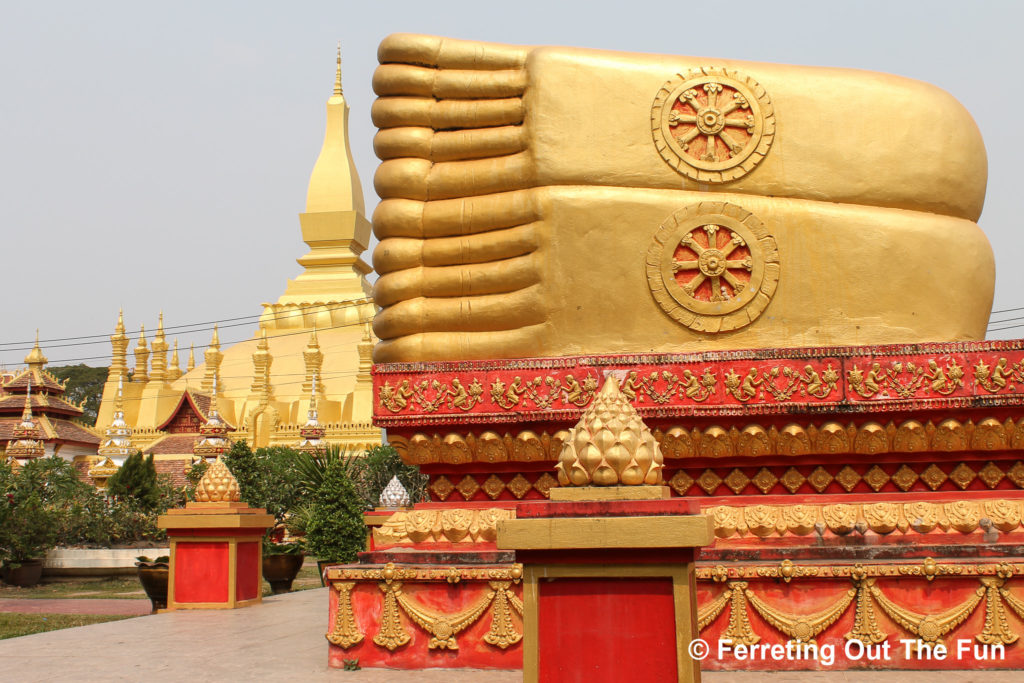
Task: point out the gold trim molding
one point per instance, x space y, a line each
754 440
479 525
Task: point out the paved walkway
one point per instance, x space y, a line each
283 640
75 606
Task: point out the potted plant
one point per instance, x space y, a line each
28 531
281 564
153 576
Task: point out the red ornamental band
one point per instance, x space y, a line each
848 379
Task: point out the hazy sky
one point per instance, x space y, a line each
155 155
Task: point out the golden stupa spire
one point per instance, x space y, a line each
191 357
334 184
174 368
141 357
337 74
159 365
335 228
314 360
213 357
261 362
35 359
119 348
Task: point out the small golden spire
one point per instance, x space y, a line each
337 74
26 414
35 358
120 322
218 485
141 357
174 369
215 340
191 358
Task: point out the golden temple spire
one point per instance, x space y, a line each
26 443
118 435
119 348
314 360
334 184
35 359
261 362
337 74
141 357
213 357
174 369
312 433
214 431
191 357
26 413
159 368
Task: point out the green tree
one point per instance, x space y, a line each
266 477
85 383
137 481
335 530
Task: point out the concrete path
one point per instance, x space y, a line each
72 606
283 640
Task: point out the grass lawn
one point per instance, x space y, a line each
126 587
14 625
115 587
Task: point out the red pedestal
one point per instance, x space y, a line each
608 589
216 555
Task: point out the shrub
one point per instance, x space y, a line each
335 531
137 480
266 477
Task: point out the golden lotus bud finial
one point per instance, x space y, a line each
218 485
610 445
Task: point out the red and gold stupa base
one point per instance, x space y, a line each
860 497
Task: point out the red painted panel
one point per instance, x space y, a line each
247 585
590 630
473 652
201 572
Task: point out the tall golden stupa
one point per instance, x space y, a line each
306 367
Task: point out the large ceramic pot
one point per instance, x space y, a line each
25 575
153 577
280 571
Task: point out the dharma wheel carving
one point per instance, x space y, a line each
713 267
713 125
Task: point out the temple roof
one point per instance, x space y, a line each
51 429
41 403
173 444
199 402
40 379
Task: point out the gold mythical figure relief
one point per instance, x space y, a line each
684 205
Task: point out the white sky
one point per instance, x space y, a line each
156 156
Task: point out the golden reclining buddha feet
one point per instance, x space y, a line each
557 201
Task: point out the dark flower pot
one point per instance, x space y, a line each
26 575
153 578
280 571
